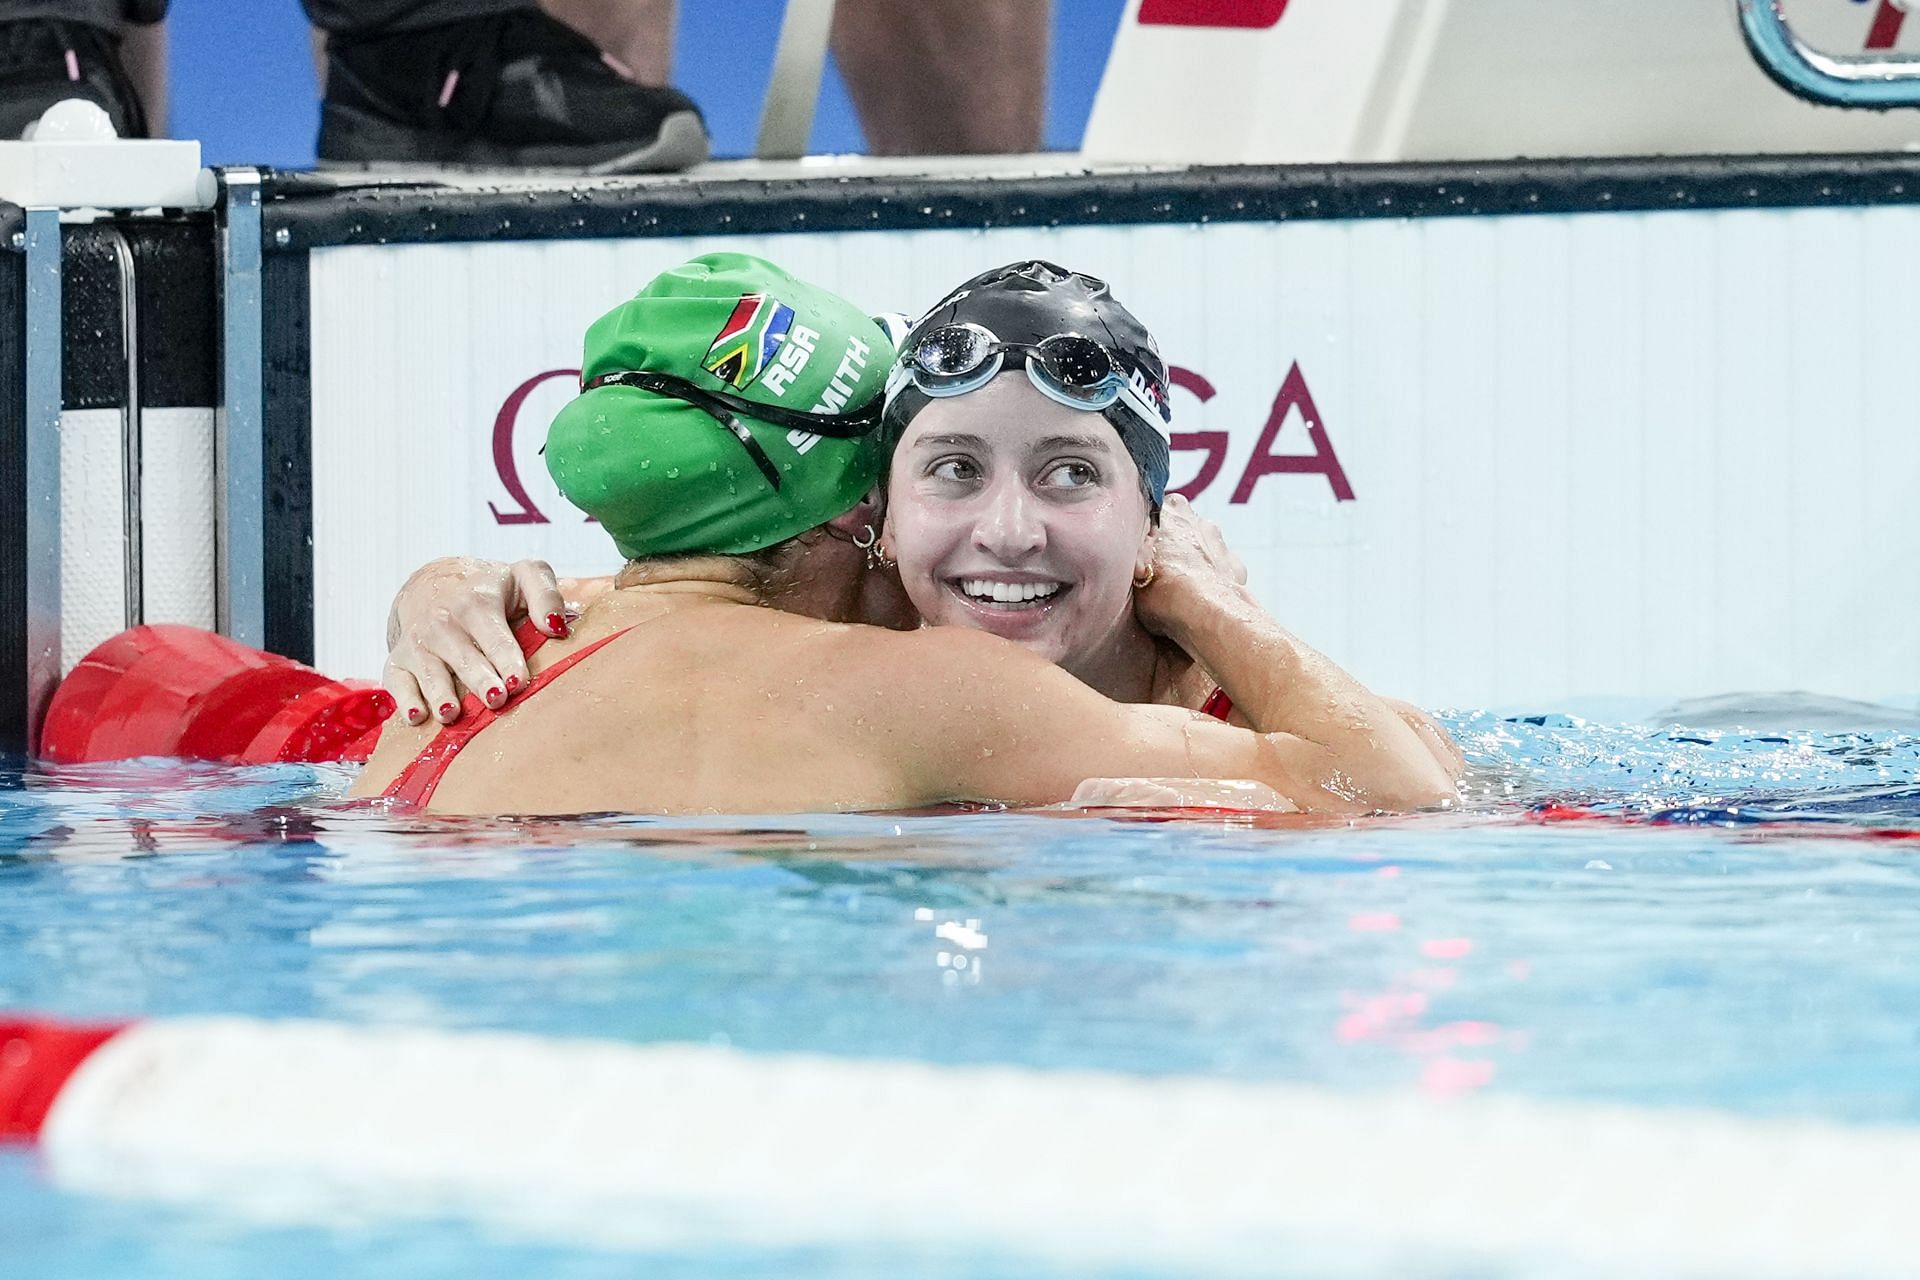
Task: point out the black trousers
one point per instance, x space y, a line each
341 17
110 14
377 17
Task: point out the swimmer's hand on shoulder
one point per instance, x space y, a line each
451 629
1191 564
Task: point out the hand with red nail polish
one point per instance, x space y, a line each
452 627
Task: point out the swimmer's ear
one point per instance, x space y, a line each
870 510
1143 559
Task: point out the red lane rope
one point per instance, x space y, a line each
37 1058
1552 812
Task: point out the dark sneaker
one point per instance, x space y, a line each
43 61
517 90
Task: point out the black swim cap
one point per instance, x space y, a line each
1027 302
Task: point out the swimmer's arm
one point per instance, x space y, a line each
452 624
1284 685
1437 740
1199 600
1444 749
998 723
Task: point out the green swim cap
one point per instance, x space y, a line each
728 406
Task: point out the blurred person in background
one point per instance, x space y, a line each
56 49
576 85
946 77
498 84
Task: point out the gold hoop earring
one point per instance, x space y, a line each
1141 584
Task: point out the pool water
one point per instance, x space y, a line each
1624 910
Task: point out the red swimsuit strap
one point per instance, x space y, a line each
1218 704
416 784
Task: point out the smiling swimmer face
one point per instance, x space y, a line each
1011 513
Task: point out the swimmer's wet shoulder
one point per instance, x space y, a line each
711 703
700 699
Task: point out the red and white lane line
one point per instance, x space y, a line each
609 1144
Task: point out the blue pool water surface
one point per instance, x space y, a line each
1657 916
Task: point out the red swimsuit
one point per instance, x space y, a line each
416 783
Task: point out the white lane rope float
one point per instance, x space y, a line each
615 1145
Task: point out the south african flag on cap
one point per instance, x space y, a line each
749 340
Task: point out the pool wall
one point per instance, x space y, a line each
1653 442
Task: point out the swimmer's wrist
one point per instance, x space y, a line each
1189 605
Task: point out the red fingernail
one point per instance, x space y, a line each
557 624
494 695
446 708
416 714
513 684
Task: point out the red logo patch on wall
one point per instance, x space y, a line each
1246 14
1887 20
503 464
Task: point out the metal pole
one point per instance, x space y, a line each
42 488
132 452
240 450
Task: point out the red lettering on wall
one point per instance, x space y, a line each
1255 14
503 463
1322 461
1211 445
1214 442
1887 20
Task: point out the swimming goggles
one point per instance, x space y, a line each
729 409
1075 371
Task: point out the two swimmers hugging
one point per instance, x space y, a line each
863 574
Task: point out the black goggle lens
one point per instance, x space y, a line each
953 350
1075 362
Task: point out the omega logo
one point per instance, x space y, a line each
1320 459
1293 394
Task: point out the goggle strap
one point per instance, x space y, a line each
711 405
754 451
837 426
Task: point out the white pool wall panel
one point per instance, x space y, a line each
177 523
93 528
177 496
